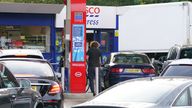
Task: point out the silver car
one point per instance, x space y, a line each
180 67
154 92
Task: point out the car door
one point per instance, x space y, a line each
19 97
5 101
172 55
184 100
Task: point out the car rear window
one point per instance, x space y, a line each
178 70
130 59
29 68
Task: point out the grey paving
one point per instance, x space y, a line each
71 99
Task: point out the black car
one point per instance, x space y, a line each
178 52
17 95
41 75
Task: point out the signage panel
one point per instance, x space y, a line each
78 16
98 17
78 43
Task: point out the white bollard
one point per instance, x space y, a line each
63 78
97 80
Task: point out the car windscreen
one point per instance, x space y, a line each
142 91
130 59
178 70
29 68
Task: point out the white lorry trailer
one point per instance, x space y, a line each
154 28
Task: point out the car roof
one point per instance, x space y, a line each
127 52
182 46
181 61
24 59
21 52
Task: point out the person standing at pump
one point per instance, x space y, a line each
94 61
61 62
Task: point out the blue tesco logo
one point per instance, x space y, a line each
92 22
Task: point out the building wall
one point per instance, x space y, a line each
29 24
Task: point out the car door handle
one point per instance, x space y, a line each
13 96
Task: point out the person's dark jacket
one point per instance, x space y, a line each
94 55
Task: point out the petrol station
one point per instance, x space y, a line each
45 27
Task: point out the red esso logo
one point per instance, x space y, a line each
78 74
93 10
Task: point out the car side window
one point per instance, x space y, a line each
169 54
186 53
173 54
107 60
8 80
183 99
190 90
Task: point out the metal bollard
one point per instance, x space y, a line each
97 80
63 78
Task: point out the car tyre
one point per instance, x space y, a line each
60 104
40 105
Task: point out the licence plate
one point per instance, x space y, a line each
34 88
133 70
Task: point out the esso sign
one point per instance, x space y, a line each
93 10
78 74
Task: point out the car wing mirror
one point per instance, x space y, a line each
24 83
106 65
58 75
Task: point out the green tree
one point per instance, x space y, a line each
110 2
35 1
98 2
127 2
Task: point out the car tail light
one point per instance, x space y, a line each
148 71
117 70
56 88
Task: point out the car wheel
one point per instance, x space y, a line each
106 84
60 104
40 105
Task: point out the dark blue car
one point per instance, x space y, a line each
121 66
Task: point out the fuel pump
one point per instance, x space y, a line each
77 70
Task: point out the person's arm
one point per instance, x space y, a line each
87 56
101 58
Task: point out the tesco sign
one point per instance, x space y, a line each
93 14
93 10
103 17
98 17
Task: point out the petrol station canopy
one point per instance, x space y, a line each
30 8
